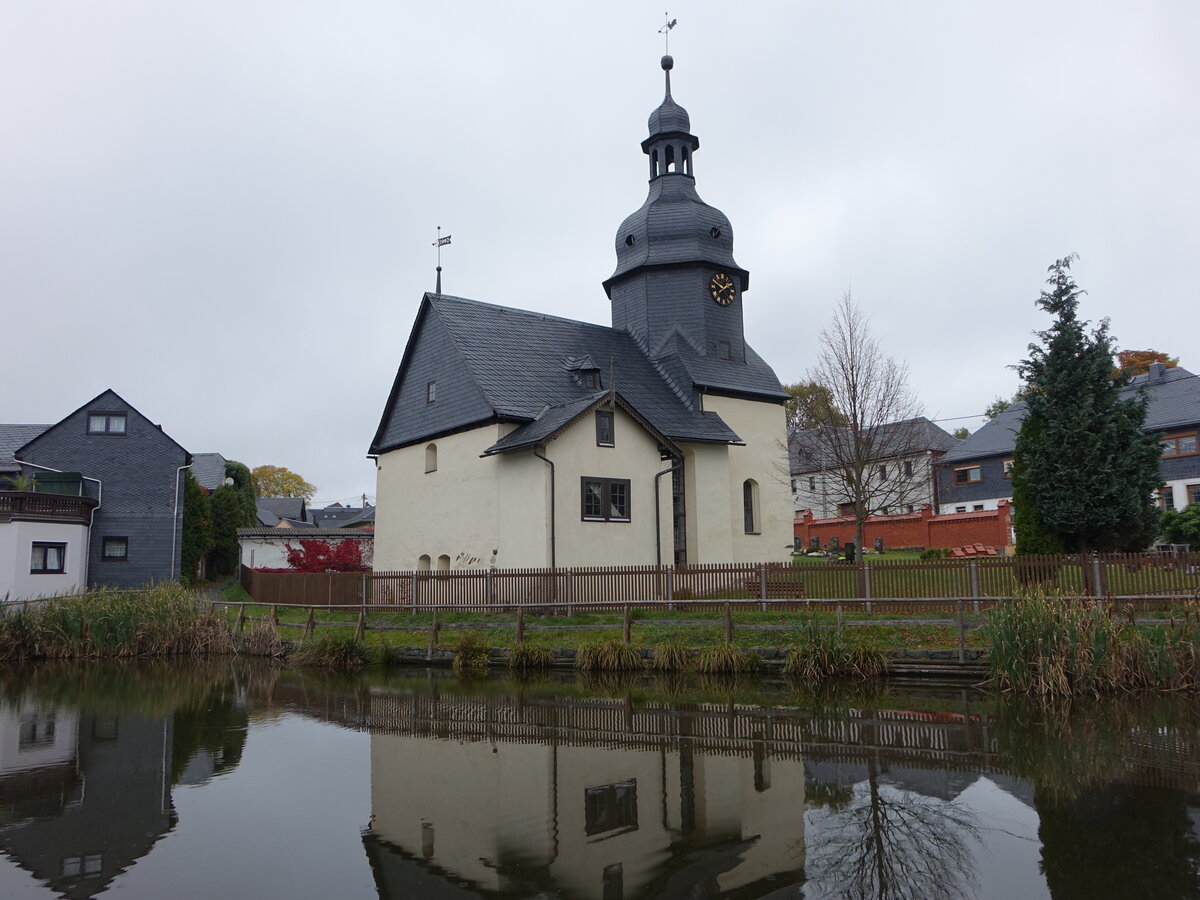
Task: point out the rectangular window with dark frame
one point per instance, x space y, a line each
47 558
967 475
1193 494
105 423
605 499
431 392
1166 498
604 428
724 350
115 549
1007 467
611 807
908 470
883 473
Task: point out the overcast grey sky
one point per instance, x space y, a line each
224 211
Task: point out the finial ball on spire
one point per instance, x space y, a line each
667 63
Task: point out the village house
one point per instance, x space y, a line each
977 474
514 438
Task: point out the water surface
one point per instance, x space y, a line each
230 779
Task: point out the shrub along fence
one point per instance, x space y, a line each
1140 578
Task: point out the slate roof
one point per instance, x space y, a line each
519 361
12 439
310 533
209 470
272 509
808 453
1173 401
337 516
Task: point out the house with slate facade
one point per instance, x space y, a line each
107 504
977 474
513 438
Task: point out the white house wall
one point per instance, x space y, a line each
16 551
634 455
464 510
721 537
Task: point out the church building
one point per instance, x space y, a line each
517 439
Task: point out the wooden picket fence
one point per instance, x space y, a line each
1138 578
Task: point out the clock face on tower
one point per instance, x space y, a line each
722 289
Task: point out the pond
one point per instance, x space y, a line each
230 779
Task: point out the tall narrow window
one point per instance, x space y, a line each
444 563
604 428
430 391
750 505
908 468
424 563
431 458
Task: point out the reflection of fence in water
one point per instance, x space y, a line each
961 741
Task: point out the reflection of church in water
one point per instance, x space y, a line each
571 814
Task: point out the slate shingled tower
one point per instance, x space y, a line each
670 251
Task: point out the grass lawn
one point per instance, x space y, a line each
696 628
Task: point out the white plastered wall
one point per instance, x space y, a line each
634 455
465 510
714 479
16 550
472 506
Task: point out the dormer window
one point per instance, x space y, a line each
590 379
106 423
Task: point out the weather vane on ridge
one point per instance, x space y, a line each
440 243
665 31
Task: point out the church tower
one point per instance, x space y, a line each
677 288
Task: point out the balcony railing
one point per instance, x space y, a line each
27 506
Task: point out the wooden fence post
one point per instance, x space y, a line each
839 617
570 592
973 566
361 630
274 618
520 624
866 570
670 589
962 633
308 626
728 622
414 592
363 589
433 636
762 587
626 627
241 619
1097 583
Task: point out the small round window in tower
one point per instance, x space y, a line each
630 240
715 231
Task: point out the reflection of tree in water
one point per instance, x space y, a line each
1119 841
1103 834
881 842
214 724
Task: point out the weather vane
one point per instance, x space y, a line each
440 243
665 31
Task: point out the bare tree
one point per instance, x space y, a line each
862 454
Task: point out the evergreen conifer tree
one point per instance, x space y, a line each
197 528
1084 471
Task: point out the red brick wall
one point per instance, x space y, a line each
919 529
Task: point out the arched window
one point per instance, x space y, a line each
424 563
443 563
750 505
431 458
654 164
687 161
670 167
